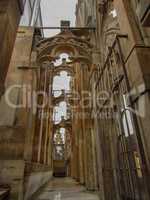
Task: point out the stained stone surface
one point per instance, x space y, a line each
65 188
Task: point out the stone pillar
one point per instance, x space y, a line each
10 13
48 140
99 157
88 136
77 165
81 153
92 157
44 83
46 119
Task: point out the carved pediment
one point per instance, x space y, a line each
67 42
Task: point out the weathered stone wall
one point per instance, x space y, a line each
10 14
137 56
113 18
18 120
12 173
14 122
36 175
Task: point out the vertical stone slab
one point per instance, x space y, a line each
10 14
13 124
16 77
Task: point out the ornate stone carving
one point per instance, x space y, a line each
67 42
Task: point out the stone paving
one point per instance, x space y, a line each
65 189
